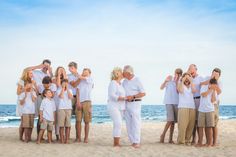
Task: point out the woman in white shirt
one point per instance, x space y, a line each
116 103
186 109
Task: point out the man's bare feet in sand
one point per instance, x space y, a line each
171 142
162 138
199 145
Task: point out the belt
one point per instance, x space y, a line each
135 100
197 97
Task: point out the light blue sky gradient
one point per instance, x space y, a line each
154 36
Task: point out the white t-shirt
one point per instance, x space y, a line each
65 102
197 81
171 94
53 88
85 88
48 107
205 102
219 84
29 105
133 86
38 76
72 77
186 98
18 106
116 90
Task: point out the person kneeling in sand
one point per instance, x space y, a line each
47 115
206 117
171 100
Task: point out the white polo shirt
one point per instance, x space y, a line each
133 86
29 105
72 77
197 81
38 76
205 102
171 94
48 107
186 98
116 90
53 88
65 102
85 89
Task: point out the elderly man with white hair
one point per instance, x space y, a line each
134 92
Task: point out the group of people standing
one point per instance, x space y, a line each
192 101
53 99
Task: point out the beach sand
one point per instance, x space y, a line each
100 144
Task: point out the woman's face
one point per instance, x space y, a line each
30 74
187 80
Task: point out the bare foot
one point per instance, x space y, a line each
162 138
77 140
171 142
85 140
136 145
117 146
199 145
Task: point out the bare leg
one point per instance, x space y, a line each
172 128
209 135
86 131
26 130
200 134
162 137
116 142
195 130
215 135
30 133
21 133
62 134
49 136
67 135
78 124
40 136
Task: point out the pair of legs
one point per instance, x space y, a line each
28 133
168 125
79 129
41 135
209 133
64 134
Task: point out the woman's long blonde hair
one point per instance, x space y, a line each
25 75
114 73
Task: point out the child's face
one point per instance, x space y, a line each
46 86
28 87
215 75
72 69
48 94
64 84
85 73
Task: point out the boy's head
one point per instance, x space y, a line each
47 93
64 83
216 73
47 82
28 85
86 72
178 72
213 81
73 67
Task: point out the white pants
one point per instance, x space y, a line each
133 121
116 116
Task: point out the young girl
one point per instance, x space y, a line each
47 115
186 109
64 110
27 100
171 100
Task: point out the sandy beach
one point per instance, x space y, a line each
101 144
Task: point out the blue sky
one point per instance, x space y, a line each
154 36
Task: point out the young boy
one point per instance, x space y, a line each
206 117
27 100
46 84
84 105
47 115
171 100
64 110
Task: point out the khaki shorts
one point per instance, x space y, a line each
216 113
28 121
206 119
46 125
171 112
85 113
64 117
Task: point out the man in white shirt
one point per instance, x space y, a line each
134 92
197 79
216 73
84 103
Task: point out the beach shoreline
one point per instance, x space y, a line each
100 143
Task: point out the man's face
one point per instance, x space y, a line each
192 70
126 75
47 65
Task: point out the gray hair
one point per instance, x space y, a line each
129 69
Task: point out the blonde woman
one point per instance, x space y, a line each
27 75
116 103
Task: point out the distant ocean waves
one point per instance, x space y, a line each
100 115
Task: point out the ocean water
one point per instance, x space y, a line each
155 113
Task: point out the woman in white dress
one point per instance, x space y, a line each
116 103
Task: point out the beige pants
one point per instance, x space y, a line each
186 122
